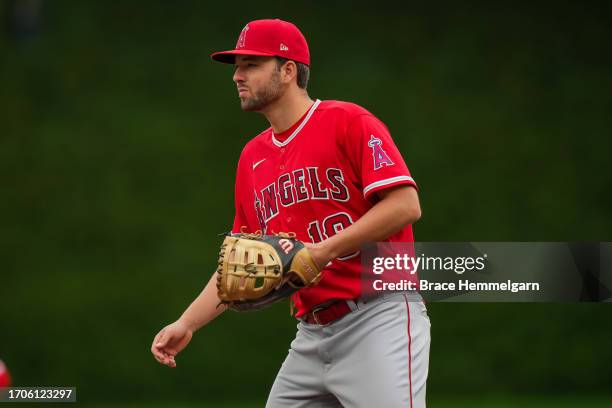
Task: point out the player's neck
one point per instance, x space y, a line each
286 111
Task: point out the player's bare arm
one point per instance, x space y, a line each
173 338
398 207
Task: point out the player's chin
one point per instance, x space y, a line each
248 105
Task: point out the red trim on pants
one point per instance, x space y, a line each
409 350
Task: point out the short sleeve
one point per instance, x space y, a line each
240 220
376 158
241 190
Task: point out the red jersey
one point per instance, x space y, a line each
315 179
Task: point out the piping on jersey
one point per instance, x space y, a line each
296 131
385 182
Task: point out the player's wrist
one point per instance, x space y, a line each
188 323
324 252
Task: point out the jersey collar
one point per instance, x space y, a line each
297 130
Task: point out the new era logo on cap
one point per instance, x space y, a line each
268 38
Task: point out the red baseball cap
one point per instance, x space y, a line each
270 38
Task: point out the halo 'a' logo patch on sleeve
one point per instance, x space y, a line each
381 158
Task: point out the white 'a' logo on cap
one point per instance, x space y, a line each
242 39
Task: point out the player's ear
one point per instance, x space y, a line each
288 71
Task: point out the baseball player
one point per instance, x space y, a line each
330 172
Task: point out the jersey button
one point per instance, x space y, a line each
282 150
288 219
282 166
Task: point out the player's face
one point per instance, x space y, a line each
258 82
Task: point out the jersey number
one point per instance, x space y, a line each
332 225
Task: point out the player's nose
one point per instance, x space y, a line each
238 76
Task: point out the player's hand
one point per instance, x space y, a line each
170 341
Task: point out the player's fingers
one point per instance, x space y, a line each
158 337
158 345
154 349
168 360
157 354
159 357
164 359
162 340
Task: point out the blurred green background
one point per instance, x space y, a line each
118 146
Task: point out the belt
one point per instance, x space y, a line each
324 315
330 312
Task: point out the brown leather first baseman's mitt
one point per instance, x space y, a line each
258 270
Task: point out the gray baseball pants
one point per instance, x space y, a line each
375 356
